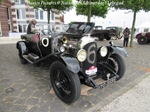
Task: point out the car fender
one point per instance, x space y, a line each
70 62
22 46
119 50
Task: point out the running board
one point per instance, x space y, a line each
26 57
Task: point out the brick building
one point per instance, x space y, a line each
16 14
5 17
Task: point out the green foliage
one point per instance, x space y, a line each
134 5
98 8
1 1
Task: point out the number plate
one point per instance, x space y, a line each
106 83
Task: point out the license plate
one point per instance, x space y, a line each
106 83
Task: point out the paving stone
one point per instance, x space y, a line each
33 109
32 101
47 97
57 108
19 108
20 101
37 93
26 94
31 84
43 108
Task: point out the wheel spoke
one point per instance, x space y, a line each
62 82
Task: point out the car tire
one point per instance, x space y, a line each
142 40
120 71
108 38
23 61
65 83
101 37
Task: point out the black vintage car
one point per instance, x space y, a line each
115 31
75 59
99 32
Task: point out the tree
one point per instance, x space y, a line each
1 1
134 6
56 6
92 8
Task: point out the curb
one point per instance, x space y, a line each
109 99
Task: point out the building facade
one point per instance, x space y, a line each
18 13
5 17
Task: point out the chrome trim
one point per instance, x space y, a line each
85 40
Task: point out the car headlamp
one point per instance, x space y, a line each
62 49
103 51
81 55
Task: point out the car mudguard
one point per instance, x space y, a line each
71 62
119 50
22 46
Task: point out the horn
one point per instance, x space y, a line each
64 39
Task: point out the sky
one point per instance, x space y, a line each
113 18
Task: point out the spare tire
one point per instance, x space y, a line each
142 40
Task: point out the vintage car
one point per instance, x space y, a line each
75 59
100 33
115 32
143 38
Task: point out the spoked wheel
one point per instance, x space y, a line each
65 83
117 65
23 61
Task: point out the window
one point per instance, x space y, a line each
18 14
52 16
7 13
145 29
22 28
41 14
18 2
36 14
22 1
21 14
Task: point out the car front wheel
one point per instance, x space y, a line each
65 83
117 63
142 40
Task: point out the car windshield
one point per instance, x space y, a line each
80 27
109 28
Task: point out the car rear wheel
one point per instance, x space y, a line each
101 37
65 83
23 61
142 40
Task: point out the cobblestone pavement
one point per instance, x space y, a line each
25 88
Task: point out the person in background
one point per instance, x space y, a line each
126 34
31 27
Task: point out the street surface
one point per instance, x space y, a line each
25 88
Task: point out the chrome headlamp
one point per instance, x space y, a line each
62 49
81 55
103 51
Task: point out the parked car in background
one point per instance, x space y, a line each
115 31
143 38
100 33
